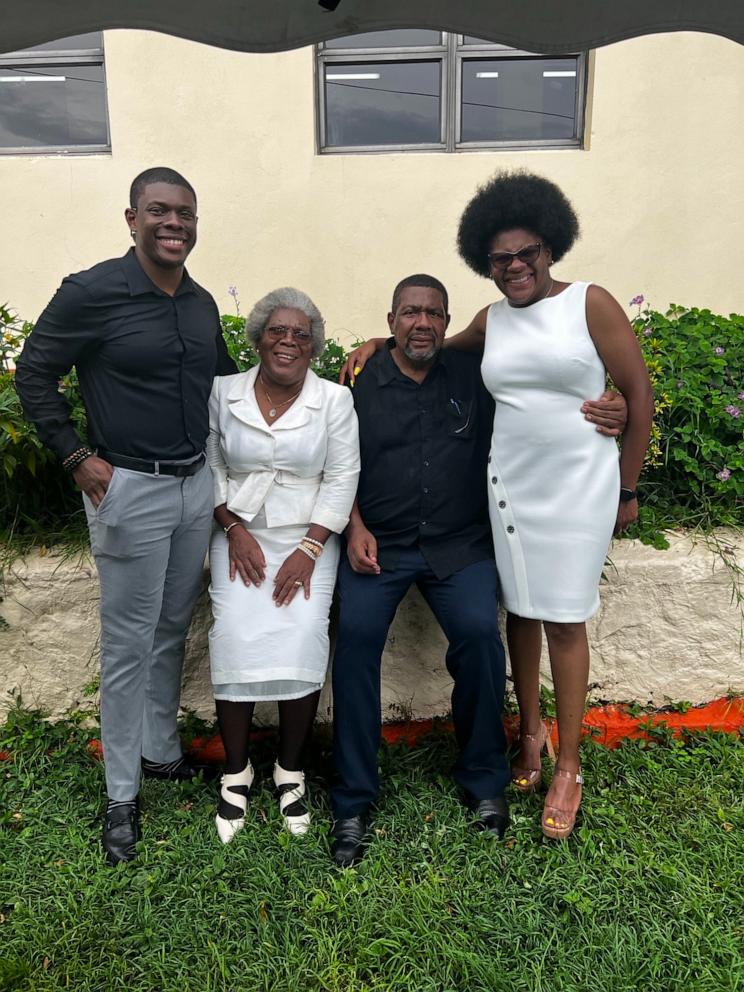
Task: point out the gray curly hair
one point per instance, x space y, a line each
289 298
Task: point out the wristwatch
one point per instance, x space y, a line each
626 495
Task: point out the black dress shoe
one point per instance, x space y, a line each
349 837
173 771
491 815
121 831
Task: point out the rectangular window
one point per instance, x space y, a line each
427 90
53 98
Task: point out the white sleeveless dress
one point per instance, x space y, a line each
553 480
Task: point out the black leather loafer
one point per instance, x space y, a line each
121 831
349 840
171 771
491 815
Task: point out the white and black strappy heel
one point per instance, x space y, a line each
292 799
233 803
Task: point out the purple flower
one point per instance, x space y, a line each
233 291
636 301
724 474
733 411
741 395
647 332
719 350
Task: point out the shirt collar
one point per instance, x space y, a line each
387 371
140 283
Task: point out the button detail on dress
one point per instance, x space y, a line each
502 504
494 480
510 529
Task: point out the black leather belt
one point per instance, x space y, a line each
154 467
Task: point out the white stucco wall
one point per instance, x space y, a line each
657 188
667 630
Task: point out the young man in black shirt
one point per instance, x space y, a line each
146 342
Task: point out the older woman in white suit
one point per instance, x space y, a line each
284 450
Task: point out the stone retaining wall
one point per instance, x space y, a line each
668 629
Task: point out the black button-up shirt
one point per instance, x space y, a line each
145 362
424 451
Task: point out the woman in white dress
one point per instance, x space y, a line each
557 489
284 450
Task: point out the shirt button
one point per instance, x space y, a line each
510 529
423 523
426 464
426 490
502 504
494 480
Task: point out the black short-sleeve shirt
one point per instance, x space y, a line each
424 450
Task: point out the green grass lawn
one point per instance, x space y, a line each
648 893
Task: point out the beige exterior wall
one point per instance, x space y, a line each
659 188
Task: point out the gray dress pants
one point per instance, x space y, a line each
149 537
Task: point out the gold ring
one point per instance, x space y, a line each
298 583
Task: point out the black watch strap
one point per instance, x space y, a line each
626 495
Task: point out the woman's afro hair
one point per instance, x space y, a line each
510 200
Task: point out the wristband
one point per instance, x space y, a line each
230 527
626 495
77 457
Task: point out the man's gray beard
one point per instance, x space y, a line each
416 358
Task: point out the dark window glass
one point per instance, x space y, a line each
383 103
52 106
468 39
518 99
74 43
387 39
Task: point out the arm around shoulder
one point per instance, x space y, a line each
473 337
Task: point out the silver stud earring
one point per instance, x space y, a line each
133 233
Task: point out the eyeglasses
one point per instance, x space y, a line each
503 259
280 331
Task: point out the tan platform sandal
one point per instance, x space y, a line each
557 824
526 780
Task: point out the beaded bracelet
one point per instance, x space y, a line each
77 457
305 551
312 546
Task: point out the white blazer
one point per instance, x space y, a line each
302 469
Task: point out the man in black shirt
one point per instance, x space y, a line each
146 342
421 517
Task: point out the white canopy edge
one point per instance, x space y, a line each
551 26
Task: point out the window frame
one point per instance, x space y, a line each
451 53
69 58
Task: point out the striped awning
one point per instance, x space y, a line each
274 25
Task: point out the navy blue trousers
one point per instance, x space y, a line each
466 607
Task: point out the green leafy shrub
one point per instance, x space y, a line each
36 497
694 470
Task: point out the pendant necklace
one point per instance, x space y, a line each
274 407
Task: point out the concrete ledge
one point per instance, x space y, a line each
668 628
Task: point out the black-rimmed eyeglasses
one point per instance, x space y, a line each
503 259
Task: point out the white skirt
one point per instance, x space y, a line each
257 650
